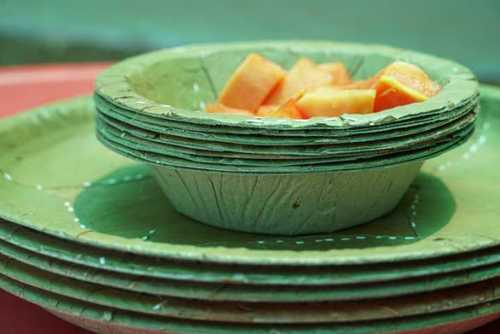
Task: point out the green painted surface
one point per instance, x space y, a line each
107 320
51 188
38 31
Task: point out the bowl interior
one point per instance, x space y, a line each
187 80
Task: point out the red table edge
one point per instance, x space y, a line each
29 86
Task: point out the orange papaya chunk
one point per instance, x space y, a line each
366 83
288 109
220 108
266 109
340 74
331 102
251 83
402 83
304 75
363 84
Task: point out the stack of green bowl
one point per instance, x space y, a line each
273 176
88 235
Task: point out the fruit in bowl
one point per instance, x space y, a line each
259 87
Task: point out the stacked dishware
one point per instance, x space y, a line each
90 235
253 174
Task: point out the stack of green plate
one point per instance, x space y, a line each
89 236
273 176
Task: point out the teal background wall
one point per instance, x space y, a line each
62 30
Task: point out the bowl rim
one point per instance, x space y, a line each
161 160
114 86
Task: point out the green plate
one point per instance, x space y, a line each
260 140
314 154
248 292
110 320
224 133
243 275
60 138
254 313
161 83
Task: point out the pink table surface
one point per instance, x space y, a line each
25 87
22 88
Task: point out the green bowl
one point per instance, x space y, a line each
173 84
249 143
326 165
303 201
365 133
288 156
307 136
286 204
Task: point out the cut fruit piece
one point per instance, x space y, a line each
413 77
365 84
304 75
392 93
340 74
266 109
220 108
330 102
402 83
360 84
251 83
290 110
261 87
287 110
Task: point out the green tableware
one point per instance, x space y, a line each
283 204
286 204
252 140
49 137
243 159
256 313
161 83
288 152
389 161
209 272
313 154
110 320
246 292
109 135
248 275
114 261
284 137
